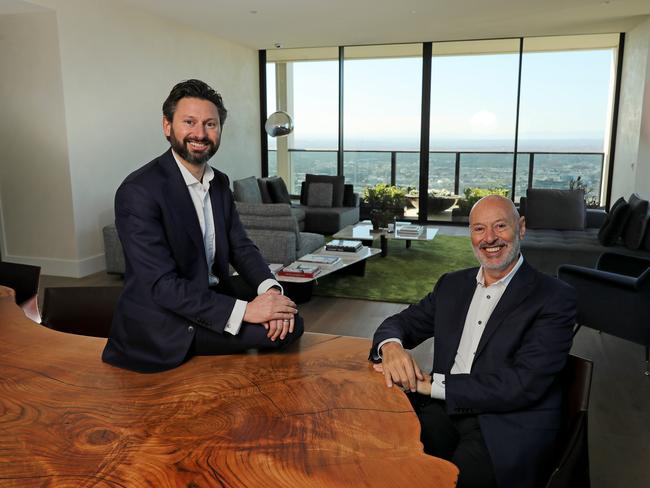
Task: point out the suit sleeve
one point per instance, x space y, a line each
139 222
525 378
411 326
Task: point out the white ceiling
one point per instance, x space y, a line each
261 24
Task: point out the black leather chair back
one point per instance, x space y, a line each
86 310
23 278
571 469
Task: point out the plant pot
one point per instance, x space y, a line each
440 204
380 218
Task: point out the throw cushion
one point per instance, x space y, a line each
278 190
636 222
555 209
614 223
348 196
320 195
337 183
264 190
247 190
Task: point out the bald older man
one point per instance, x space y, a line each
502 335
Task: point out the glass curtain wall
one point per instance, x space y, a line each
304 83
472 121
382 104
566 95
567 88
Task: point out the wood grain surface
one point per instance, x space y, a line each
314 415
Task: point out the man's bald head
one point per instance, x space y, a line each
496 201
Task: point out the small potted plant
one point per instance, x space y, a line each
385 202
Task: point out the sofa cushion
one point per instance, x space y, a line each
614 223
349 198
247 190
338 184
320 195
555 209
278 190
646 240
634 230
264 190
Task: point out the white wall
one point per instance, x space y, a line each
35 190
632 160
117 66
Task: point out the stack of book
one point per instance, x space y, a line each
342 245
300 270
412 231
320 259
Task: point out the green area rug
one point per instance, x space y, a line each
405 275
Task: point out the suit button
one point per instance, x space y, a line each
190 329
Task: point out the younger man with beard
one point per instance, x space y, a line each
502 334
180 230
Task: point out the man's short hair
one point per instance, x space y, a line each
193 89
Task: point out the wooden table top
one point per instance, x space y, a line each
314 415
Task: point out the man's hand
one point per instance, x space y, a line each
274 311
399 367
424 386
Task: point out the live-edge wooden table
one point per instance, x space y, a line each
313 415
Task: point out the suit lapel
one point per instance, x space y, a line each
458 322
219 218
181 205
518 289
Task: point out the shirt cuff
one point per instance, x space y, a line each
392 339
267 284
438 386
236 317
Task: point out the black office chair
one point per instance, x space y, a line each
85 310
23 279
614 297
571 469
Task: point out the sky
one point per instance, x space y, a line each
564 95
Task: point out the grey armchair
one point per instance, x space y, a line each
614 297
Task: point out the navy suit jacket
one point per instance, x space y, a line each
166 292
513 386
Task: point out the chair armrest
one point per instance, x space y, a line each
574 275
617 263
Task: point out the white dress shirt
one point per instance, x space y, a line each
484 301
200 194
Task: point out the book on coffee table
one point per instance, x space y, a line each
409 231
343 245
300 270
319 258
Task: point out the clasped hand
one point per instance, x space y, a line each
274 312
400 368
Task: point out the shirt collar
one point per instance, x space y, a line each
480 279
208 174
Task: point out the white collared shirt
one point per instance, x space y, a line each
200 193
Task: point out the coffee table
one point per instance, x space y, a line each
300 289
362 231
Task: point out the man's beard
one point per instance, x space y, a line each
509 258
183 150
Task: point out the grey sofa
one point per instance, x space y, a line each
113 251
552 241
274 229
324 208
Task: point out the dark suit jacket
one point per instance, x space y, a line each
166 292
513 386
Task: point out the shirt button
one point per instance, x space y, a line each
488 297
190 329
480 322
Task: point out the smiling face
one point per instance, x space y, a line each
195 130
496 229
